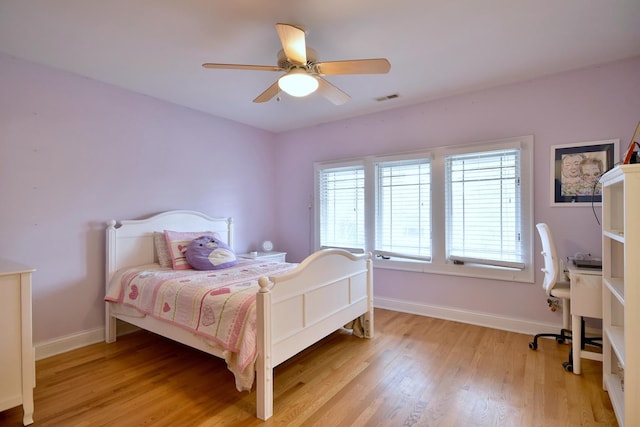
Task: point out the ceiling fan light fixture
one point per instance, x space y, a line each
298 83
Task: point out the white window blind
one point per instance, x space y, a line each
483 203
403 209
464 210
341 202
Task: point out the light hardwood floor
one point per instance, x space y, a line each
418 371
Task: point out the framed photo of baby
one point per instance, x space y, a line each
576 170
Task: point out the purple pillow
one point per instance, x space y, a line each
209 253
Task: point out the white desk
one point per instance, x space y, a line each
586 301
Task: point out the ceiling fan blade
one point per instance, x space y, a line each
269 93
243 67
355 66
332 93
293 43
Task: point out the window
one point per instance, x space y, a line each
462 210
483 208
403 209
341 217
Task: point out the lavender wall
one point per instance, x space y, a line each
588 105
75 153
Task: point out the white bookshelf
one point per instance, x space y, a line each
621 290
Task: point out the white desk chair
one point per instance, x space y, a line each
555 285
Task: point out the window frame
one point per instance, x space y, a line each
375 161
318 210
438 263
457 250
353 163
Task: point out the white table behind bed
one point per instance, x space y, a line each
294 310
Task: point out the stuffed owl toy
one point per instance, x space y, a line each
209 253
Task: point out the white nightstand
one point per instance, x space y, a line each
265 256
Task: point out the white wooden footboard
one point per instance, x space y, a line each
296 309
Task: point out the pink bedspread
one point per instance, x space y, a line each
218 305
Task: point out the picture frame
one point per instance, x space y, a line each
576 169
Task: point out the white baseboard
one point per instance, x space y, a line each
81 339
471 317
68 342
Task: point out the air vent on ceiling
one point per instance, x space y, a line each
388 97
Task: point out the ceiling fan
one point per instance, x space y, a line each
303 74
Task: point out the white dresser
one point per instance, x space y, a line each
17 361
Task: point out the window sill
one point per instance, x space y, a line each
478 272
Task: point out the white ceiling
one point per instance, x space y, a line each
436 47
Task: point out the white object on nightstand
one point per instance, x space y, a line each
265 256
267 246
17 361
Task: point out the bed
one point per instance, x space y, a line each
294 309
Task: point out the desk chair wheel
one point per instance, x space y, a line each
534 345
568 366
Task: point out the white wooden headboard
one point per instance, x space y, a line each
130 242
